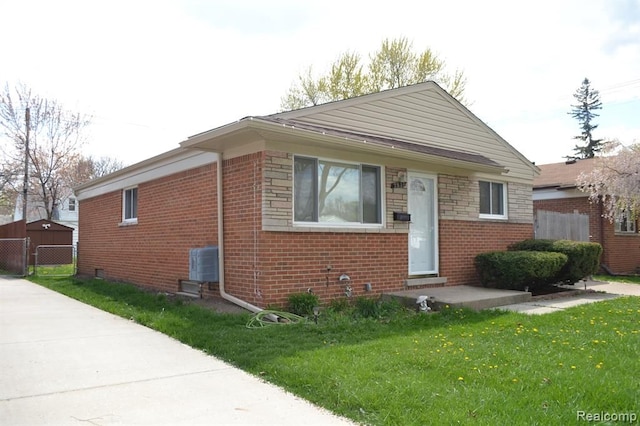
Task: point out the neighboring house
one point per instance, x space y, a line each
66 214
316 199
555 190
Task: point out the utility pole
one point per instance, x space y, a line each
27 119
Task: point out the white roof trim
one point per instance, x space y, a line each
174 161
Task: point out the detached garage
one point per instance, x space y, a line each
48 233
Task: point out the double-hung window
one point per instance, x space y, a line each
130 205
336 193
493 200
625 223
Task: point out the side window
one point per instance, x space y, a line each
72 204
493 200
130 204
624 223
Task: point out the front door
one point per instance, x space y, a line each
423 229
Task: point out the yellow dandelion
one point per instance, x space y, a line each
461 378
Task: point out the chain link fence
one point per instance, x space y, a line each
55 260
14 256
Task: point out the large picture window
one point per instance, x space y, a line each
334 192
130 204
493 200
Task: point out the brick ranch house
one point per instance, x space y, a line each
297 200
555 190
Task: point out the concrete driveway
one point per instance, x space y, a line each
65 363
600 290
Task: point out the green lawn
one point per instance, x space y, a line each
456 366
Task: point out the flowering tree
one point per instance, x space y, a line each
615 180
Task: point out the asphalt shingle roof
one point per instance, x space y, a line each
389 142
562 174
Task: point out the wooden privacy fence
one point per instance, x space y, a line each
561 226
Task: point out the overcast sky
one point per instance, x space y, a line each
153 73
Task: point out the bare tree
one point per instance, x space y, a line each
56 136
91 168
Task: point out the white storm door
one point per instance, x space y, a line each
423 229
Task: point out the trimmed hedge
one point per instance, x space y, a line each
583 257
518 270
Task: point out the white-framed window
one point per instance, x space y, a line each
493 200
624 223
72 204
336 192
130 205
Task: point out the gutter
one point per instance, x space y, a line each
246 305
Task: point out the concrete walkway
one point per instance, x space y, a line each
601 291
65 363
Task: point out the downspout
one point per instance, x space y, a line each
246 305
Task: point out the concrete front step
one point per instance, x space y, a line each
472 297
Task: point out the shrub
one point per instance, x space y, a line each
517 270
303 303
583 257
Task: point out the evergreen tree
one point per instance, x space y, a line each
588 101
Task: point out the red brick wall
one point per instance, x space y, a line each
175 213
621 252
242 177
461 241
294 262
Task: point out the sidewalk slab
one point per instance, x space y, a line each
554 305
64 362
